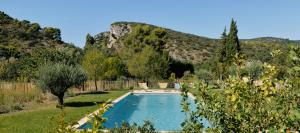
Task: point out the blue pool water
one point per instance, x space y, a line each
163 110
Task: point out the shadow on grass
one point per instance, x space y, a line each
81 104
93 92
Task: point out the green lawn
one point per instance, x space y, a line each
39 120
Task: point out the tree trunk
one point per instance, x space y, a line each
238 72
96 84
61 101
83 87
287 130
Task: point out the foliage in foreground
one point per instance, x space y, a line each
191 122
147 127
58 78
246 105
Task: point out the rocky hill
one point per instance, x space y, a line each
191 48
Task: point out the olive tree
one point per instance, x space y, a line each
58 78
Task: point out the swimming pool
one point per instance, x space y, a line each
163 110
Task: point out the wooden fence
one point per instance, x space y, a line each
108 85
22 92
18 92
18 86
25 87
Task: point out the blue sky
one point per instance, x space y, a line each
76 18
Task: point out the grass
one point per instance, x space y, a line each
43 119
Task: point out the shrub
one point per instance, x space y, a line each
240 105
4 109
147 127
204 74
252 69
188 77
17 107
58 78
172 77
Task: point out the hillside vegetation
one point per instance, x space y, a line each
25 45
187 52
192 48
24 35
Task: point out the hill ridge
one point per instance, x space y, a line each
187 47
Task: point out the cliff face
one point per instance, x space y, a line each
116 32
181 46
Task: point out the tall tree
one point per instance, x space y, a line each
148 64
114 68
89 41
232 45
93 62
230 51
222 53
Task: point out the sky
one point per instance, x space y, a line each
76 18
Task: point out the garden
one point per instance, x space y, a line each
50 89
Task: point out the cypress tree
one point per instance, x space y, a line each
232 45
222 54
230 51
89 41
234 48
